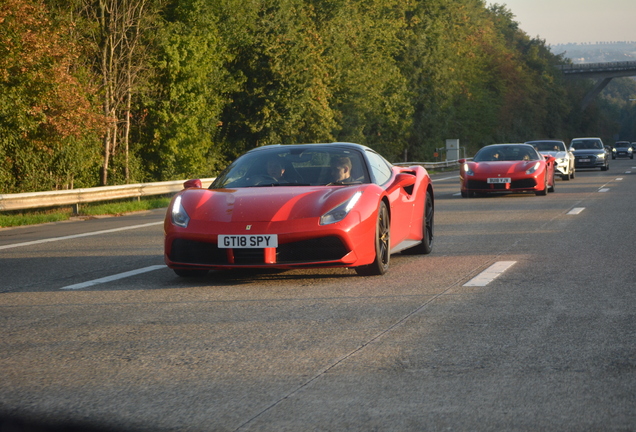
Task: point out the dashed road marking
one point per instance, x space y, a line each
445 178
492 272
603 189
113 277
576 210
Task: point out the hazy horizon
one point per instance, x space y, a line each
575 21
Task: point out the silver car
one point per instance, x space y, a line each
564 163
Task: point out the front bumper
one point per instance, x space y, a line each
562 168
589 161
625 153
527 184
301 244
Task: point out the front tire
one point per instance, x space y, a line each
544 191
382 245
426 246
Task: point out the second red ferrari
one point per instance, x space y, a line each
501 168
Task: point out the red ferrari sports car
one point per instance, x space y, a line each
507 168
301 206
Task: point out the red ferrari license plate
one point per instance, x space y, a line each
248 241
499 180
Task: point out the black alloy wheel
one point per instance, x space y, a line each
426 247
382 245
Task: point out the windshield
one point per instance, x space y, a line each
622 144
496 153
549 146
586 145
294 166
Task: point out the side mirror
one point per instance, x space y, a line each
461 161
195 183
402 180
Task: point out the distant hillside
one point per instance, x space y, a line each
598 52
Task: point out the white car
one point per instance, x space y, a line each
564 164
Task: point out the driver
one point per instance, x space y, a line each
341 169
275 168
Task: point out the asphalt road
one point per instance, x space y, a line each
97 332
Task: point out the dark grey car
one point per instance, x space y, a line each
623 149
590 153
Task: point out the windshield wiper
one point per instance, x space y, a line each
343 183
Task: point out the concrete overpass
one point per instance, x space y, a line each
601 72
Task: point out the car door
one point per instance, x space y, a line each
402 201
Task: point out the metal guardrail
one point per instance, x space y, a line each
76 197
433 165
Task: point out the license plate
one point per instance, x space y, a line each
499 180
584 160
248 241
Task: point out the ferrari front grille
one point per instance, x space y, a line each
303 251
527 183
196 252
318 249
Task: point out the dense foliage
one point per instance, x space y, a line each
113 91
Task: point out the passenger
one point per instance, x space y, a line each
341 169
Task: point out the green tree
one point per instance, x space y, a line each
364 44
186 95
281 83
44 111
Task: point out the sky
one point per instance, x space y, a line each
575 21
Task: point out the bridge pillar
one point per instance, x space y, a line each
600 85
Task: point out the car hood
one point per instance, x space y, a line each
263 204
584 152
502 167
554 154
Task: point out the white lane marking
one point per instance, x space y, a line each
576 210
35 242
458 194
603 189
446 178
619 178
488 275
628 172
113 277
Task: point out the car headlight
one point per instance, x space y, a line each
339 212
178 214
614 150
467 170
601 156
560 161
533 168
